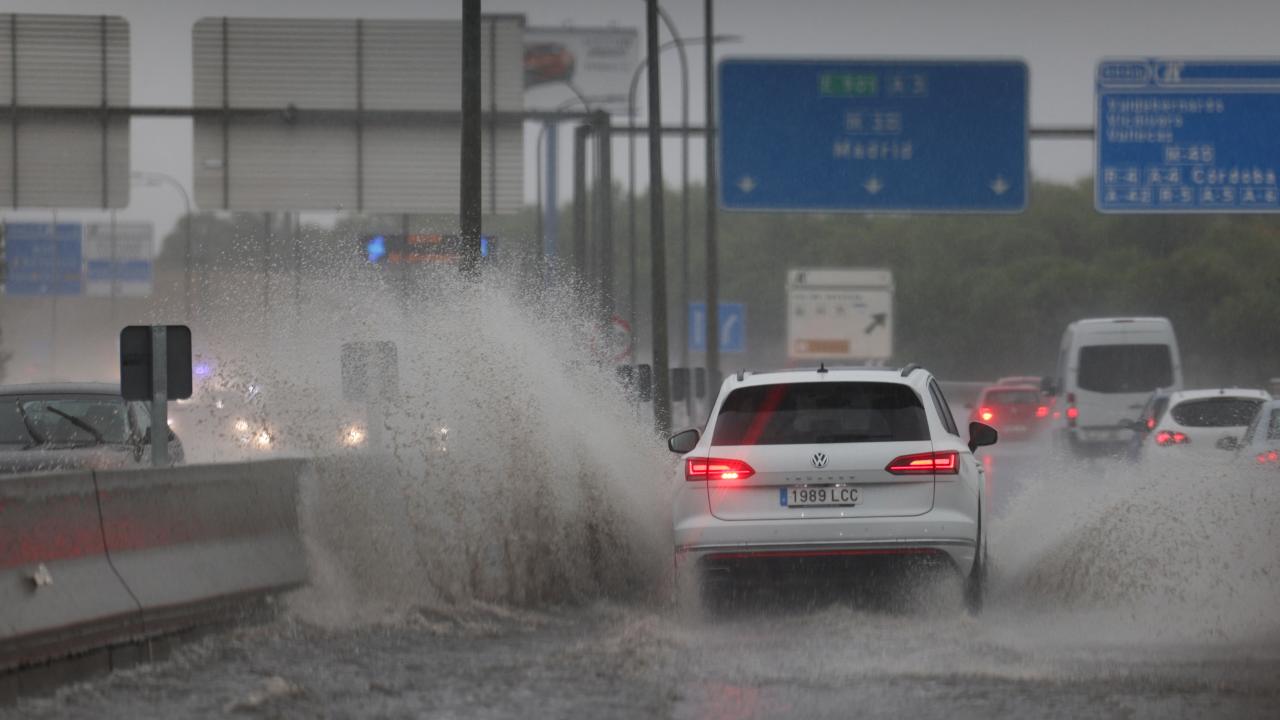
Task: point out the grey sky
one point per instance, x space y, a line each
1061 41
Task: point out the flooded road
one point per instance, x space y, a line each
1083 621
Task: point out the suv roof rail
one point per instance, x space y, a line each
741 374
910 368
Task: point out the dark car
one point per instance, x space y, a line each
71 426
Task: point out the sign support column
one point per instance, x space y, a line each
159 397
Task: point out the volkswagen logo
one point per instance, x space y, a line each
819 460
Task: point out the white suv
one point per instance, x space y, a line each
805 467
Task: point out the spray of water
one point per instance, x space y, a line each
1114 552
509 468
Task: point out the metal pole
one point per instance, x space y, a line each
712 269
604 217
631 214
580 134
552 213
469 220
683 306
657 240
159 397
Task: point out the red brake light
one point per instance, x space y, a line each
986 414
1165 438
1269 457
1073 412
1042 411
1151 423
945 462
717 469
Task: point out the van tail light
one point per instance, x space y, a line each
1165 438
1073 412
945 462
1042 411
1271 457
986 414
716 469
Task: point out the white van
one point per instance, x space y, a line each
1107 367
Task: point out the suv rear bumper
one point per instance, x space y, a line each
703 538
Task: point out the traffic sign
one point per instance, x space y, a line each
844 314
873 135
733 327
1187 136
42 259
117 258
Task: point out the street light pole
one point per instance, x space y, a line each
152 177
712 269
657 239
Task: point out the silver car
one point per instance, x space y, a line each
71 426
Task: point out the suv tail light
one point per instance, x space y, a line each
1271 457
1164 438
716 469
945 462
986 414
1042 411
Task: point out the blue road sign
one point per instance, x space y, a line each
1187 136
867 136
733 327
43 259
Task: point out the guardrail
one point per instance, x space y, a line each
97 559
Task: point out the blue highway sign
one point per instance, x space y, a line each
733 327
1187 136
871 135
43 259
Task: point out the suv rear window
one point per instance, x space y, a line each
1215 412
827 412
1124 368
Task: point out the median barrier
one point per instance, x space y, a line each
93 562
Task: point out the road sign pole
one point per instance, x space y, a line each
657 238
580 134
713 250
159 397
470 172
604 213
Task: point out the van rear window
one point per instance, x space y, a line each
827 412
1124 368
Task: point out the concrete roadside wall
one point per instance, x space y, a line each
94 559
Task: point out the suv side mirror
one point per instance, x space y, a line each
981 435
683 442
1047 386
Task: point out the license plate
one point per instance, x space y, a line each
825 496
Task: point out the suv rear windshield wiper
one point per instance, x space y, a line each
31 427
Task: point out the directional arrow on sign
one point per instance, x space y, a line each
746 184
877 320
999 186
873 185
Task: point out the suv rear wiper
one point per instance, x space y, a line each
78 422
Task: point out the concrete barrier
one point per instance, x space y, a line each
189 543
92 560
58 593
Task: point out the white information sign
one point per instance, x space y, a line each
596 62
118 258
840 314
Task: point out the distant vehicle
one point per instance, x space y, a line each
1151 413
809 473
1260 444
1107 368
1204 421
1033 380
72 426
1017 411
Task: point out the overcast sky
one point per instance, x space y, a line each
1061 41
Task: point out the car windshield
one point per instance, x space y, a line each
70 420
1125 368
844 412
1215 412
1013 397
